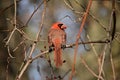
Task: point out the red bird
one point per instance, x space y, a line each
56 39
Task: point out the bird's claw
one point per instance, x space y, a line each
63 46
50 49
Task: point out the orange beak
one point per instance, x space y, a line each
63 27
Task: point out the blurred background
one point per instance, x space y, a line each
69 12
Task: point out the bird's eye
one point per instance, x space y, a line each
59 25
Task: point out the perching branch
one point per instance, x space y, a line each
71 46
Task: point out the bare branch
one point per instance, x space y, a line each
9 52
78 37
112 35
34 44
102 61
90 70
18 45
12 5
113 67
70 46
68 3
15 10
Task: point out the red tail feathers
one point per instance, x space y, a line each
57 53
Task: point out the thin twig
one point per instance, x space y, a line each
117 37
25 35
6 44
88 42
14 24
19 45
34 13
90 70
78 36
111 35
94 50
98 57
33 45
10 6
91 14
23 69
8 49
40 29
113 67
102 62
66 73
75 21
113 19
70 6
7 68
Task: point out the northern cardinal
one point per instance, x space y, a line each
56 39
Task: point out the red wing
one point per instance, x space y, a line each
56 34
